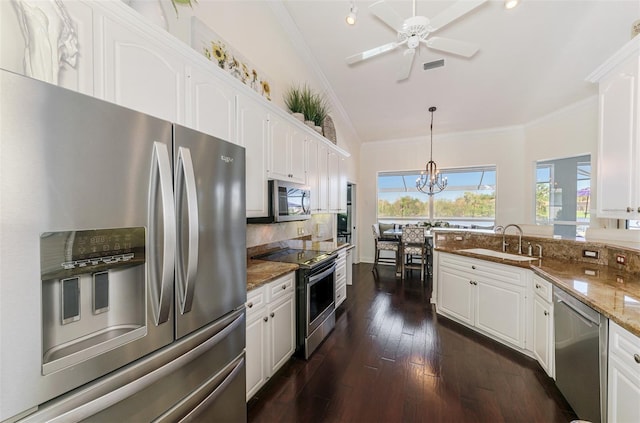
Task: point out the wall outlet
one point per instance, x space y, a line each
458 238
590 254
620 259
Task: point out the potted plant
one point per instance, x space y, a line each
314 108
293 101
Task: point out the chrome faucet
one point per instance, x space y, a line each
504 241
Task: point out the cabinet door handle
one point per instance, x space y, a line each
284 286
537 286
272 314
629 209
266 319
546 313
249 305
636 357
473 267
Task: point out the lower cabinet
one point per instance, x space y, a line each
623 403
271 332
341 278
543 335
487 296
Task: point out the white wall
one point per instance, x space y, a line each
570 131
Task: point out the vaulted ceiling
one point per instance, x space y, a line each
533 60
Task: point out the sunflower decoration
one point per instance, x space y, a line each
266 89
219 53
245 73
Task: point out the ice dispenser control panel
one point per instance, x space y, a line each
69 253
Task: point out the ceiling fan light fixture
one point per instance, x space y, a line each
510 4
352 15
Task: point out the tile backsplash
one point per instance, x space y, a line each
320 227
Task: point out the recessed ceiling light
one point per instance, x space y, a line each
353 14
510 4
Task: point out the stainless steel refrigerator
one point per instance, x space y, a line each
122 263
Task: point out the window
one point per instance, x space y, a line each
468 201
563 194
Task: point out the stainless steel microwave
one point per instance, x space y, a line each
288 202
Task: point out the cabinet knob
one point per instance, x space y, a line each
249 305
636 357
546 313
272 314
638 209
629 209
537 286
473 267
266 319
284 286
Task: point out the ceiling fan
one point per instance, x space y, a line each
417 29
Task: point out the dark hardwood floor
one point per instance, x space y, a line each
392 359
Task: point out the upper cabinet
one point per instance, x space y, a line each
286 150
618 177
253 122
210 104
134 70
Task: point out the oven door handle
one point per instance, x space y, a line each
314 279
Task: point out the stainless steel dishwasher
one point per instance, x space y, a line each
581 356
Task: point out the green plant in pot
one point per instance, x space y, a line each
315 107
293 100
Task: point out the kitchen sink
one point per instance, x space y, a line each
498 254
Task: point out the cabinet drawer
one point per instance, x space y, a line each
542 288
256 299
341 294
480 268
625 346
281 286
341 274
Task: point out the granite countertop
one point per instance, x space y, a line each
613 293
261 272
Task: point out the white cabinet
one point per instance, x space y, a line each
337 183
623 403
350 265
618 177
487 296
211 104
270 330
317 175
341 278
252 123
137 71
286 151
543 338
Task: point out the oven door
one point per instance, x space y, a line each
320 296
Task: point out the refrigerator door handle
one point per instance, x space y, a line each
186 182
161 274
192 405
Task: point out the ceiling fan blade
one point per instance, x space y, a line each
453 12
448 45
387 14
372 52
407 62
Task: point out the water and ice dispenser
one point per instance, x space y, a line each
93 293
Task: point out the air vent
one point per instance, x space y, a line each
434 64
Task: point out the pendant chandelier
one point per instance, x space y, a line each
430 181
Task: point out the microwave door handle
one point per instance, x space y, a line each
305 210
161 179
186 175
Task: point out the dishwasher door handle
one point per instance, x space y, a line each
583 316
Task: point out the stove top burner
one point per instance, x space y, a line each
300 257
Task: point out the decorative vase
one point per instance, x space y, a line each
310 123
152 10
299 116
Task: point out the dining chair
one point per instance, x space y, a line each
413 245
384 245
